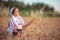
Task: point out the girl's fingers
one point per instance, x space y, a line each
15 31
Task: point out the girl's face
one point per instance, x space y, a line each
16 12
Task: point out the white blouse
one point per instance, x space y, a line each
16 23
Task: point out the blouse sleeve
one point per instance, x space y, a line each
23 22
15 24
10 24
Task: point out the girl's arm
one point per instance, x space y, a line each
26 25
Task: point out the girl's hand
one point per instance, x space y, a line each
15 33
28 23
15 30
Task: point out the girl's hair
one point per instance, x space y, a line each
13 10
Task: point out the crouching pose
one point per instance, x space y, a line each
16 22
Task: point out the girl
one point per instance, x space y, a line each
16 22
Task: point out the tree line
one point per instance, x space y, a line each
22 6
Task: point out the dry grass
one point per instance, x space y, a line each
40 29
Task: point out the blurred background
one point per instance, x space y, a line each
40 8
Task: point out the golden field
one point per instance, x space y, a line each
40 29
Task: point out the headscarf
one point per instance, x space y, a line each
11 10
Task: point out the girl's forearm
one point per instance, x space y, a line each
26 25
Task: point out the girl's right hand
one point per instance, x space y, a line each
15 30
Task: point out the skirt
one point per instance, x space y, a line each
19 31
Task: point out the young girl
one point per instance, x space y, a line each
16 22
